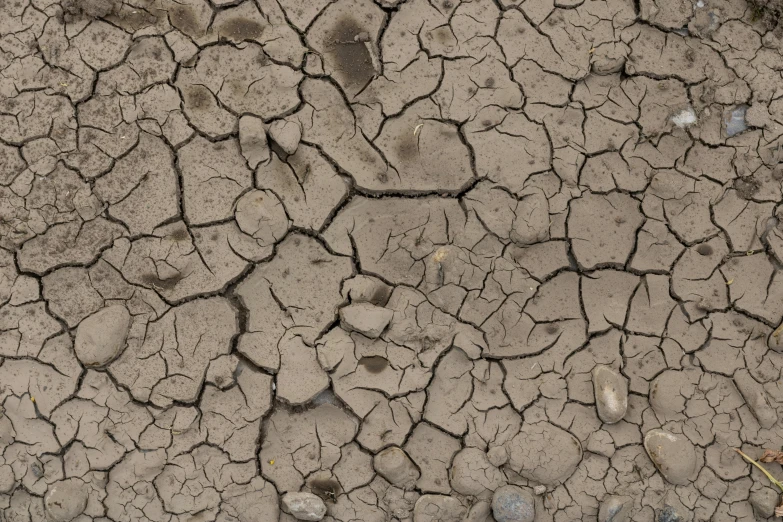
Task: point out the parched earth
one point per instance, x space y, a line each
402 255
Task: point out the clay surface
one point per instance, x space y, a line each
390 260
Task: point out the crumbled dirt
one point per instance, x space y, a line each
90 8
393 256
769 13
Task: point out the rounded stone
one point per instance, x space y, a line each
611 394
101 337
394 465
304 506
65 500
615 509
513 504
497 456
673 455
261 215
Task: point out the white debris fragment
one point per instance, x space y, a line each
304 506
735 121
685 118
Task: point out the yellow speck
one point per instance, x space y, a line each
777 331
32 399
730 281
417 128
592 50
272 462
63 85
750 252
440 255
176 432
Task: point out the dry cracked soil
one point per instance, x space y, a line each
391 260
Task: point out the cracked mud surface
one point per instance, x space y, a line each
392 260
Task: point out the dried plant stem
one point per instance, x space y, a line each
767 473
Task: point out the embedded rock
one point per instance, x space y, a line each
673 455
66 499
101 337
396 467
513 504
611 394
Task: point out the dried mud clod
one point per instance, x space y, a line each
769 13
90 8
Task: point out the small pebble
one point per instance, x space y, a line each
497 456
611 394
513 504
394 465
